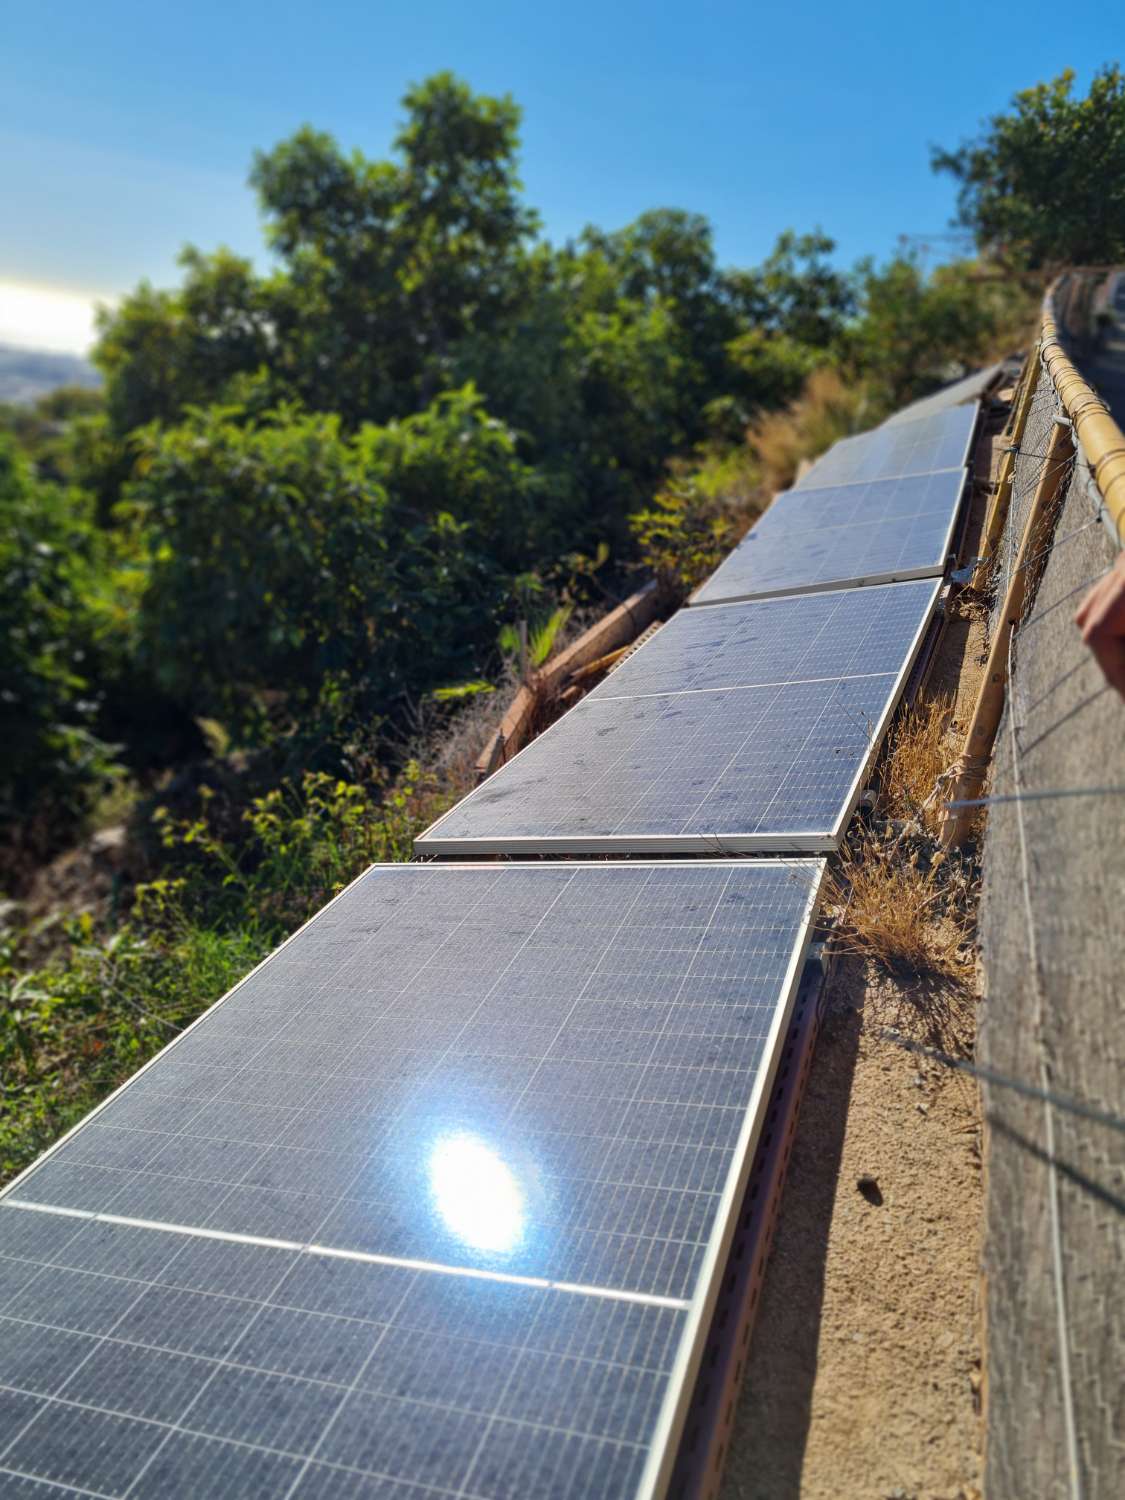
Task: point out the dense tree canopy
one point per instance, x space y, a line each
314 493
1042 185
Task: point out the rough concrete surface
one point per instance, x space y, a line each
1052 1016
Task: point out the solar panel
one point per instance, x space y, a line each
810 539
435 1201
736 728
922 446
972 388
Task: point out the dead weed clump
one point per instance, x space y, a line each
893 904
915 759
827 409
895 895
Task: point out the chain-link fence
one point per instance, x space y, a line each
1053 1017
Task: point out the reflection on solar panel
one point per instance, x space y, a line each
854 533
940 441
436 1201
738 727
971 388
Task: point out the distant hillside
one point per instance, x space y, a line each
26 374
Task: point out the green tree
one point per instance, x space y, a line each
161 350
51 578
793 312
302 580
1041 186
796 292
917 331
390 264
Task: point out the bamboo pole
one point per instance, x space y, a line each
1001 496
1099 436
966 776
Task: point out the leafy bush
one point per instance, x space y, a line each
74 1028
302 580
52 569
686 533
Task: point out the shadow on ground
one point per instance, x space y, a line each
771 1428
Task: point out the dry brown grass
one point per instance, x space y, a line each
895 895
826 410
918 753
447 744
897 907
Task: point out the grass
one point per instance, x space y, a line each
76 1024
895 907
895 895
827 409
915 759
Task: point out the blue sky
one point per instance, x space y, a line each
127 129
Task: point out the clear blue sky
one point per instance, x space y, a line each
126 129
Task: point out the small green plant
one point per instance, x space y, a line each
685 534
75 1027
459 691
73 1030
530 646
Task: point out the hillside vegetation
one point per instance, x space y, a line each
254 586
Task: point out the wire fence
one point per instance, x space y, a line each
1054 888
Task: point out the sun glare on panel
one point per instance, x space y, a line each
476 1193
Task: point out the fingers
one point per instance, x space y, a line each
1103 593
1110 656
1101 619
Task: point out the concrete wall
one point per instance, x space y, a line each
1054 1017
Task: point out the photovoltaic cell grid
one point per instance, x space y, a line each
923 446
738 727
419 1235
810 539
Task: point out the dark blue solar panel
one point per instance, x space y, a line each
921 446
810 539
735 728
423 1206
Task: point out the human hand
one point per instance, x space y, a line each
1101 619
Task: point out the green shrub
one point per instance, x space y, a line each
75 1027
52 574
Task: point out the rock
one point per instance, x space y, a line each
869 1187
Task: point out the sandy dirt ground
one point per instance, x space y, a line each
864 1377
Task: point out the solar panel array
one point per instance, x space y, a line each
736 728
972 388
879 532
923 446
437 1201
432 1203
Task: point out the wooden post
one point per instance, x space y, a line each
966 776
998 506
